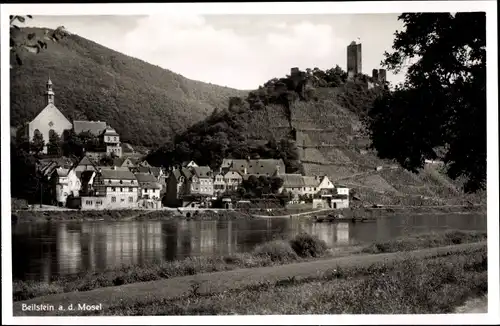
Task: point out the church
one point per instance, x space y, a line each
50 120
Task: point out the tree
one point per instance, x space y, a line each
54 146
37 143
442 103
31 42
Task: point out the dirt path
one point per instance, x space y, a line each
218 281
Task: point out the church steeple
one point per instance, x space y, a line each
49 93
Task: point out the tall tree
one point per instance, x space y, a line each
54 146
37 143
441 106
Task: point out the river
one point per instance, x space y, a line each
42 251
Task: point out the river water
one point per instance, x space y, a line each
41 251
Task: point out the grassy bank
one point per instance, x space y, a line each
413 286
30 216
301 248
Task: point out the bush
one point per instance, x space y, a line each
277 250
306 245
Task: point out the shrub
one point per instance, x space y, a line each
306 245
277 250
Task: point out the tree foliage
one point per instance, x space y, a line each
30 42
145 104
258 187
442 103
54 146
37 143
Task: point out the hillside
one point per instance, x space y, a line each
323 125
146 104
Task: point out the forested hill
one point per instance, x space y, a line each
145 103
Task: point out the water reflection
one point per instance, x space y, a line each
41 251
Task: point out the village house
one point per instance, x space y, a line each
293 184
87 182
127 162
201 181
50 119
109 140
233 180
149 191
65 184
219 184
114 188
257 167
176 186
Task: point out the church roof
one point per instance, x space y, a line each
94 127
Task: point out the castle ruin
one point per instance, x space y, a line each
353 60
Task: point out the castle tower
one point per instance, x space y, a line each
353 59
375 75
382 75
50 92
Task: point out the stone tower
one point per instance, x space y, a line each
50 92
353 59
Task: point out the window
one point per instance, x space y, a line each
121 181
121 189
130 199
113 189
123 199
109 181
130 189
113 199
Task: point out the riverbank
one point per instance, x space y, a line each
435 280
31 216
39 216
302 248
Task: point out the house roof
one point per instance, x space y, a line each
151 185
232 174
202 171
62 172
156 171
145 177
292 180
143 169
255 166
118 161
119 174
86 161
187 173
311 181
94 127
85 176
110 132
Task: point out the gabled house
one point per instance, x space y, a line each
189 164
201 181
87 182
219 184
294 184
257 167
65 184
118 186
232 179
177 184
149 191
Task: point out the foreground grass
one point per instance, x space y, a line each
412 286
301 248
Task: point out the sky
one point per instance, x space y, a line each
238 51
